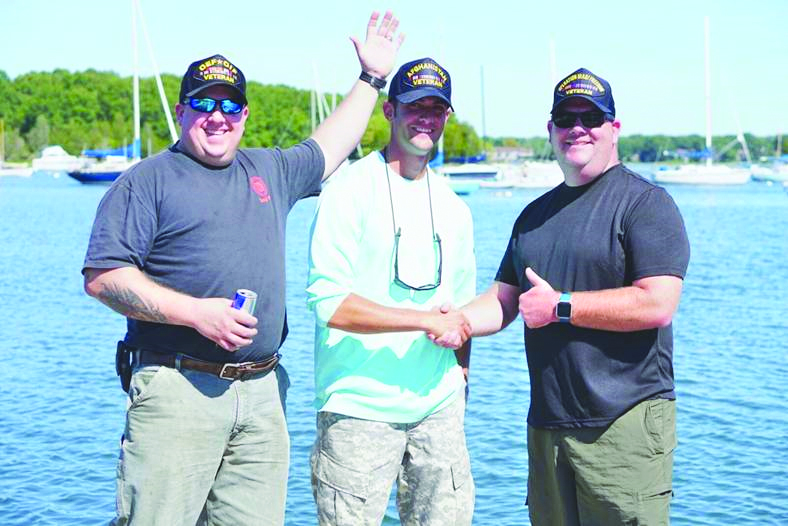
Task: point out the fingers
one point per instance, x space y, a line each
450 340
388 25
392 29
373 23
534 278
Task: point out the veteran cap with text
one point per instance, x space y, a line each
212 71
585 85
418 79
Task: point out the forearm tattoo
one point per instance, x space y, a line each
126 302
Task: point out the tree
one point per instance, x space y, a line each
38 136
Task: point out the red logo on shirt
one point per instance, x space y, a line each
259 187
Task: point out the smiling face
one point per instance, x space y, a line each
212 138
416 127
584 153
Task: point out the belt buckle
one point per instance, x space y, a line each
224 374
240 369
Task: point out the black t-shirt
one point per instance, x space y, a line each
603 235
207 232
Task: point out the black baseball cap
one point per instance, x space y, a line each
212 71
418 79
582 84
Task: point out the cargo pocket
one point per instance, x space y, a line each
654 505
659 425
340 493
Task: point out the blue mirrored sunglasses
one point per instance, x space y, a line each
208 105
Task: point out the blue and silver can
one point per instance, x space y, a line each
245 300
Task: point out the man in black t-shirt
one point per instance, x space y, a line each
175 236
595 268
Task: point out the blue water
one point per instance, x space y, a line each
62 409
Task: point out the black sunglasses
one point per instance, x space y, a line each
436 239
589 119
208 105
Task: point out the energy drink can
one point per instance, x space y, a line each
245 300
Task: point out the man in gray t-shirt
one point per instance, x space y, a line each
595 268
174 238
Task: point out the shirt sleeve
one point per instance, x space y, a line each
333 248
656 241
303 166
123 230
506 270
465 289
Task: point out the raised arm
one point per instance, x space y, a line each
339 134
130 292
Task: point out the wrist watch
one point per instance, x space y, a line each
563 309
376 82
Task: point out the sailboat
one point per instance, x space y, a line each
708 173
117 162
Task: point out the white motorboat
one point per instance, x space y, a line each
56 159
701 174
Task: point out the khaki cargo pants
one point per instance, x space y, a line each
619 475
355 462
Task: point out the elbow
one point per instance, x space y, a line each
662 317
91 283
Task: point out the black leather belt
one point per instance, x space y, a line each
226 371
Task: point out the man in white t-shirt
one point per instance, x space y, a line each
390 243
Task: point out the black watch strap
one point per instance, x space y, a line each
376 82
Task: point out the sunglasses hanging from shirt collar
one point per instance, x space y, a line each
398 233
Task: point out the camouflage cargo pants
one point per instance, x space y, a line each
355 462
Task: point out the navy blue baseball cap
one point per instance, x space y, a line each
418 79
212 71
582 84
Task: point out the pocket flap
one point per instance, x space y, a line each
343 479
460 472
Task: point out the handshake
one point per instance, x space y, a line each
447 326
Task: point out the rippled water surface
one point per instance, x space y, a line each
62 409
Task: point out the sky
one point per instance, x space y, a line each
504 57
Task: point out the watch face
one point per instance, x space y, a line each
563 310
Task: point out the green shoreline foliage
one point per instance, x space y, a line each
93 109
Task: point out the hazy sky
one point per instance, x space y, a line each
651 52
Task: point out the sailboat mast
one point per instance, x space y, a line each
707 62
481 91
137 145
162 96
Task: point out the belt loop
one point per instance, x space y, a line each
178 361
136 358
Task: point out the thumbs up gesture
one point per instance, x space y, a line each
537 306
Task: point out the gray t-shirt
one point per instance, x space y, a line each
604 235
207 232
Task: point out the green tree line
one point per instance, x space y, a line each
93 109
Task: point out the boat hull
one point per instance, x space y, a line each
702 175
95 177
